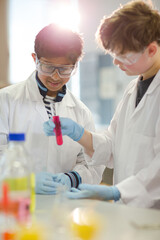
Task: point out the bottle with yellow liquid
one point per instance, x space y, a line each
15 171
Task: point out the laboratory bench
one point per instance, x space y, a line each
115 221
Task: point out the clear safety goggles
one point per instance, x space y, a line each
47 69
128 58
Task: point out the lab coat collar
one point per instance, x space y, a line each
133 92
34 95
154 84
68 100
152 87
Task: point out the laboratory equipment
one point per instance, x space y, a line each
60 213
86 223
15 171
8 224
34 231
57 130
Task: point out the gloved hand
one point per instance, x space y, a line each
99 192
45 183
68 127
63 179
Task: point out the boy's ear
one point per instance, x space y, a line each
34 57
152 49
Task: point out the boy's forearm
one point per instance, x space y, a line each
87 143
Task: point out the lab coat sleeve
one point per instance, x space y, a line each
103 143
143 189
4 123
89 174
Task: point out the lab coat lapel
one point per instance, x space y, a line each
151 88
41 110
131 98
63 108
34 95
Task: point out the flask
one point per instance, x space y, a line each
15 171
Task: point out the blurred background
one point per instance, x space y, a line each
98 83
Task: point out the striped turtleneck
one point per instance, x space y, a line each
49 102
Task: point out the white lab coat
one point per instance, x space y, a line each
22 110
131 145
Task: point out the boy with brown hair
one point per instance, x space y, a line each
131 144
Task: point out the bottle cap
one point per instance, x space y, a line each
16 137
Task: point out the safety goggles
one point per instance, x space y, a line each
128 58
47 69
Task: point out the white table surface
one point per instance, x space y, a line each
117 218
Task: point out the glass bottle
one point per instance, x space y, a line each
15 171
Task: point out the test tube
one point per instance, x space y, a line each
57 130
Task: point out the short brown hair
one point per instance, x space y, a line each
54 41
130 28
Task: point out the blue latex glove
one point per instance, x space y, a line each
99 192
45 183
68 127
63 179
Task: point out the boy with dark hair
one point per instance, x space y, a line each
131 144
26 105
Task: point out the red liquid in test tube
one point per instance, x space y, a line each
57 130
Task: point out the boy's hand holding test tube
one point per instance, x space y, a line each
68 127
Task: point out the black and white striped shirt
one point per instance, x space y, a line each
49 102
49 105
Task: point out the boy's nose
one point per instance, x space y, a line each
55 75
116 61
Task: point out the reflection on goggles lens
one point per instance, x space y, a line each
48 69
128 59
